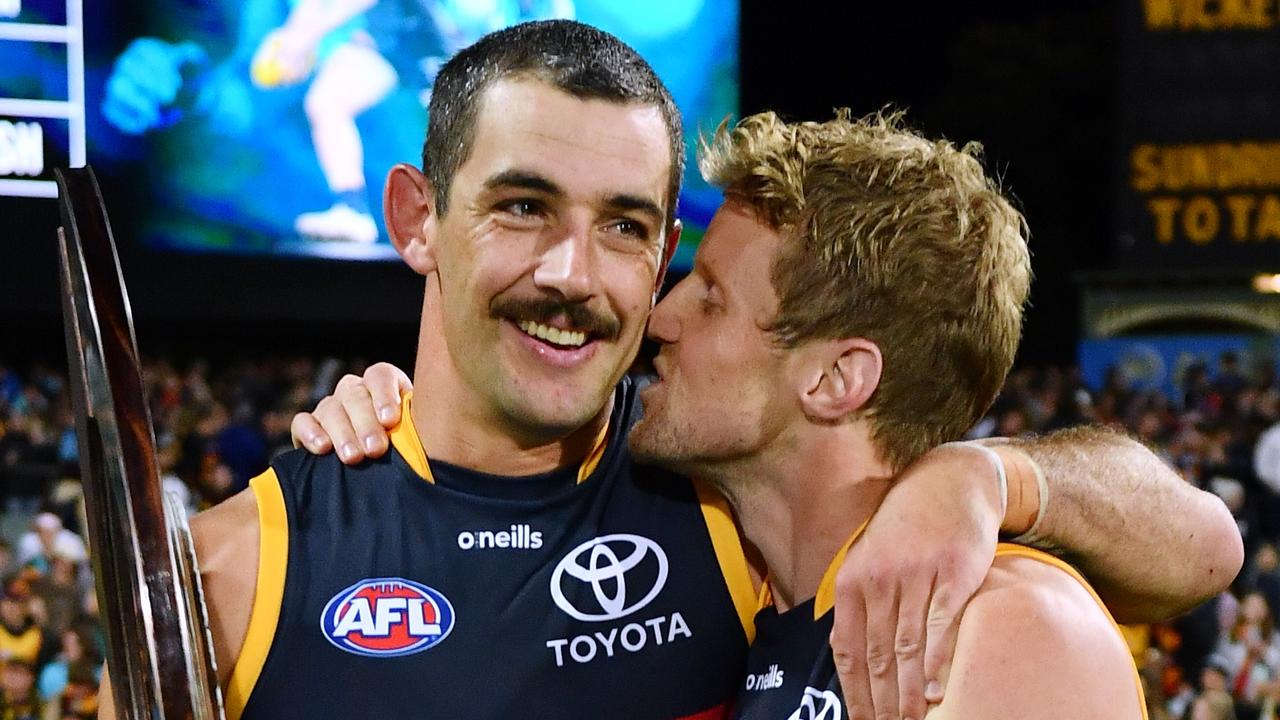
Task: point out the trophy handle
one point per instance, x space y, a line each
158 640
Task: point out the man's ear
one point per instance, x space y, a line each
409 201
839 377
668 252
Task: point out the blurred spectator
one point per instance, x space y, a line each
1230 382
1266 458
79 699
26 459
1213 705
242 448
1263 575
77 650
1197 391
1245 514
1197 633
48 538
60 594
18 699
1250 654
20 636
167 454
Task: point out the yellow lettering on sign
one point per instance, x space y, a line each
1200 220
1159 14
1208 15
1268 225
1240 206
1164 209
1146 168
1205 166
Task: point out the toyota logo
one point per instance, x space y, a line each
605 564
818 705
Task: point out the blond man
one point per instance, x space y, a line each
860 294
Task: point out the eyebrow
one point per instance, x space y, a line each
702 269
635 203
525 180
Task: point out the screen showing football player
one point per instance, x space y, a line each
245 70
510 521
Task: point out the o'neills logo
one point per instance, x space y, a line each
518 537
766 681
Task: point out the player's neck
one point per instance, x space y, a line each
802 504
456 426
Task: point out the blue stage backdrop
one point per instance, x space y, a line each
1160 362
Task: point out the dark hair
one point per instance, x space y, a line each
578 59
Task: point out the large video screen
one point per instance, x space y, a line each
268 126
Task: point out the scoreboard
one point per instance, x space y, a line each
1198 171
42 114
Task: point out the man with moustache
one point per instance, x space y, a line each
542 226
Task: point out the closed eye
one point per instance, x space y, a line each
711 298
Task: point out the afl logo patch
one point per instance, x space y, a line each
387 617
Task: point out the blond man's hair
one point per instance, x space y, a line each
894 238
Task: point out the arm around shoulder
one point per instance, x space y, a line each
1153 545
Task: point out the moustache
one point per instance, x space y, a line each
545 310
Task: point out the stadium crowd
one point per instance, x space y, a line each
218 426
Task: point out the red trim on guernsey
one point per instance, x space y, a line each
719 712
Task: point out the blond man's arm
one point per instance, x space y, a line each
1152 545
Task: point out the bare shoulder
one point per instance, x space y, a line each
226 540
1034 644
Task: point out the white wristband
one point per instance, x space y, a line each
998 462
1032 536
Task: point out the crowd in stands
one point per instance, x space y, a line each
216 428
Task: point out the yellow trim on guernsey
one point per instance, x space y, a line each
405 439
1011 550
733 559
273 559
826 597
597 452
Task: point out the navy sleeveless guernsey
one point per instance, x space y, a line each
406 589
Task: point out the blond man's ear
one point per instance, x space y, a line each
838 377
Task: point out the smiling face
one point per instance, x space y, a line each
722 387
546 260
